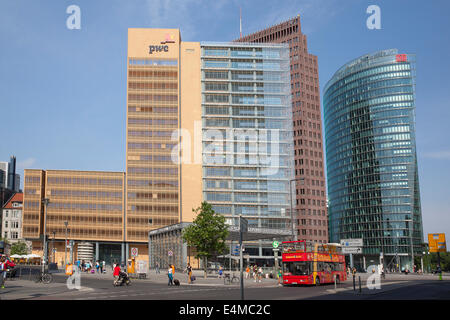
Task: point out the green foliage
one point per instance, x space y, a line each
431 261
207 233
19 248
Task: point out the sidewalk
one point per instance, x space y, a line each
162 278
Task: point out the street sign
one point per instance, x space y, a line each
243 224
134 252
352 242
275 244
170 253
436 242
353 250
235 250
141 266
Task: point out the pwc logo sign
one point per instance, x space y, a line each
153 48
163 47
168 39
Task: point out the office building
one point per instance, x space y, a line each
369 109
92 204
310 191
205 121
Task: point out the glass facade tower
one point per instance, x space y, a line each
247 134
369 113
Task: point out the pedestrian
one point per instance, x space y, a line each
255 272
279 275
116 272
97 266
170 275
2 271
173 270
104 266
189 273
247 272
220 272
157 267
260 272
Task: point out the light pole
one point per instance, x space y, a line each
294 234
45 201
53 247
66 223
411 240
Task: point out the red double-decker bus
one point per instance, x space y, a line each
312 263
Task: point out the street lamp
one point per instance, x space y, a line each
45 202
294 234
411 229
66 223
53 247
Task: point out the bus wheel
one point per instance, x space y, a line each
317 281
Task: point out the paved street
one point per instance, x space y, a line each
99 287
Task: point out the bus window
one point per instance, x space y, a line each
298 268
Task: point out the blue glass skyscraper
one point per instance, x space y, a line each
373 188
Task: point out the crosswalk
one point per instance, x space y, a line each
129 293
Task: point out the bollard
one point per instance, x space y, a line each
359 284
354 284
335 282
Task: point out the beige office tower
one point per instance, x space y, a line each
163 108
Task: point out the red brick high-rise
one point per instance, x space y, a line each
311 209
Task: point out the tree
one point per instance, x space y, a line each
207 233
19 248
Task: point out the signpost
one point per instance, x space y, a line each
351 250
436 243
275 244
351 246
134 252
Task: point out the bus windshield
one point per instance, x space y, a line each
297 268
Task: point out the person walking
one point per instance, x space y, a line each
116 272
220 272
189 273
280 276
247 272
260 273
97 266
170 275
2 272
157 268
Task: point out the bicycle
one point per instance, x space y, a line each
228 280
44 277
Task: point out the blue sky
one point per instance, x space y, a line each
63 92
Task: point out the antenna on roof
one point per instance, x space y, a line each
240 22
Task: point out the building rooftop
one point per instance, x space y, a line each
17 197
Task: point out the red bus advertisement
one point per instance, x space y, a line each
312 263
